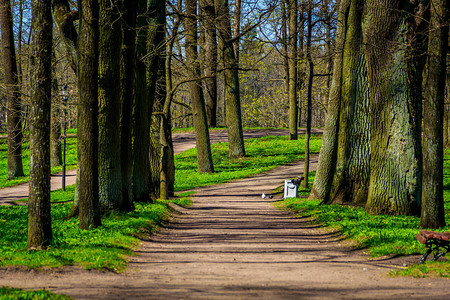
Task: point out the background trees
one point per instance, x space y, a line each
242 55
11 82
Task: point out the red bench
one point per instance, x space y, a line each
437 242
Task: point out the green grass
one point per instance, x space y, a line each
106 247
262 154
19 294
71 161
379 235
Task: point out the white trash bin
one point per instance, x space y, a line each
290 189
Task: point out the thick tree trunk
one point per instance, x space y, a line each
110 176
231 81
432 213
89 207
210 82
155 67
204 156
292 57
142 116
394 80
39 217
351 176
128 94
11 81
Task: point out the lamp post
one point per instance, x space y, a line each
65 97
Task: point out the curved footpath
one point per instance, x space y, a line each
232 244
182 142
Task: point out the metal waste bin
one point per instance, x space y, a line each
291 188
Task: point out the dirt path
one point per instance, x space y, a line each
182 142
232 244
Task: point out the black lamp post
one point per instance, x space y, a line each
65 97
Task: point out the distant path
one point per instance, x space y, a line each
181 142
233 244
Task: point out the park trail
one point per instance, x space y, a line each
234 244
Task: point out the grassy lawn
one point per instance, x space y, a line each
71 161
262 154
19 294
378 235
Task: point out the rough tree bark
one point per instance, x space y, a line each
11 81
127 98
394 73
109 85
64 18
210 82
89 207
204 156
231 78
432 212
39 217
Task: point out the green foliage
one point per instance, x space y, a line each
13 294
104 247
263 154
71 161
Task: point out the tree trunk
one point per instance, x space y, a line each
292 57
128 94
394 78
237 29
432 213
55 132
89 206
350 180
210 81
64 18
13 109
204 156
309 100
284 45
141 117
155 41
109 86
231 81
328 152
39 217
167 164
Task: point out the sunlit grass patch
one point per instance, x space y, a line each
262 155
105 247
19 294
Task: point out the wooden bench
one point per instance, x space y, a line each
436 242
